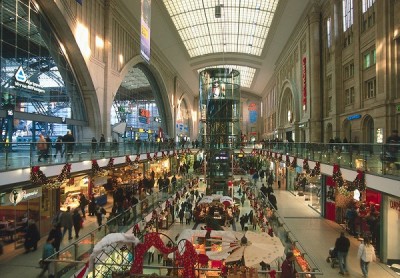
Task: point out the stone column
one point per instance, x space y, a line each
314 74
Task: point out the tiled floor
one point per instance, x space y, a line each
314 233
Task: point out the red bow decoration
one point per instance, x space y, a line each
188 260
149 156
272 273
127 159
360 174
150 239
35 169
163 154
155 155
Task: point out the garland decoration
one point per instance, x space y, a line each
110 163
358 183
95 167
317 169
37 177
337 176
306 167
137 158
65 173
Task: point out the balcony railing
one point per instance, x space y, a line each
26 154
378 159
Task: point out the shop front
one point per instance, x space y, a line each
23 205
390 238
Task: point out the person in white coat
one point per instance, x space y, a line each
366 253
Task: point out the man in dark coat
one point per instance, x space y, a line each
342 246
272 201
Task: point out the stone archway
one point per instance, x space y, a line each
346 131
368 130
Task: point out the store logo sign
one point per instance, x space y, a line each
20 75
22 81
394 205
18 195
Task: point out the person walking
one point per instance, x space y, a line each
66 222
92 206
102 144
342 246
32 237
100 213
288 268
82 204
42 148
77 222
55 236
58 146
366 253
94 145
69 141
48 251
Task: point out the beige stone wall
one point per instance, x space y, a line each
328 81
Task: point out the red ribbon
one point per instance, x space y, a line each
272 273
150 239
188 260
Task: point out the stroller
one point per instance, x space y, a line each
332 258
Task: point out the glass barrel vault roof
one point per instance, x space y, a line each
242 27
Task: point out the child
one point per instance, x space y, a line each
48 250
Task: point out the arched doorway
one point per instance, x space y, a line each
346 130
139 107
287 115
368 130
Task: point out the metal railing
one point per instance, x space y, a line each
26 154
378 159
72 257
286 235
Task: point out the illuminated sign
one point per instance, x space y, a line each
22 81
354 117
145 20
18 195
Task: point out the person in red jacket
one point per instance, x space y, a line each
288 268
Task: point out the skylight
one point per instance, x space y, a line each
242 27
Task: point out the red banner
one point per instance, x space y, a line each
304 77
